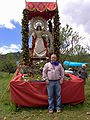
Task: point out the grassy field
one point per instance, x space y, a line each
9 111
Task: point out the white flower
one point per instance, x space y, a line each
37 63
41 61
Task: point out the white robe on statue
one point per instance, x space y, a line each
39 49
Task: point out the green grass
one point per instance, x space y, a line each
11 112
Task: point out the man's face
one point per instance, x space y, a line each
83 67
53 58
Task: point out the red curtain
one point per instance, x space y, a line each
33 94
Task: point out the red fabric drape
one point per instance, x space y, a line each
45 45
42 9
41 6
33 94
33 46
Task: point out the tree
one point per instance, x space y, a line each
8 64
70 43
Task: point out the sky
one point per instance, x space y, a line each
72 12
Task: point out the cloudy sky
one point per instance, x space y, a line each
72 12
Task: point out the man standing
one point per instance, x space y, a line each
82 73
53 74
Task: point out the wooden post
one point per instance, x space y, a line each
25 3
56 4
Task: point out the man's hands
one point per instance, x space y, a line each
47 82
61 82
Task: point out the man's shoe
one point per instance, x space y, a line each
50 111
58 111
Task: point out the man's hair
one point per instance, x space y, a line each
54 55
83 65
